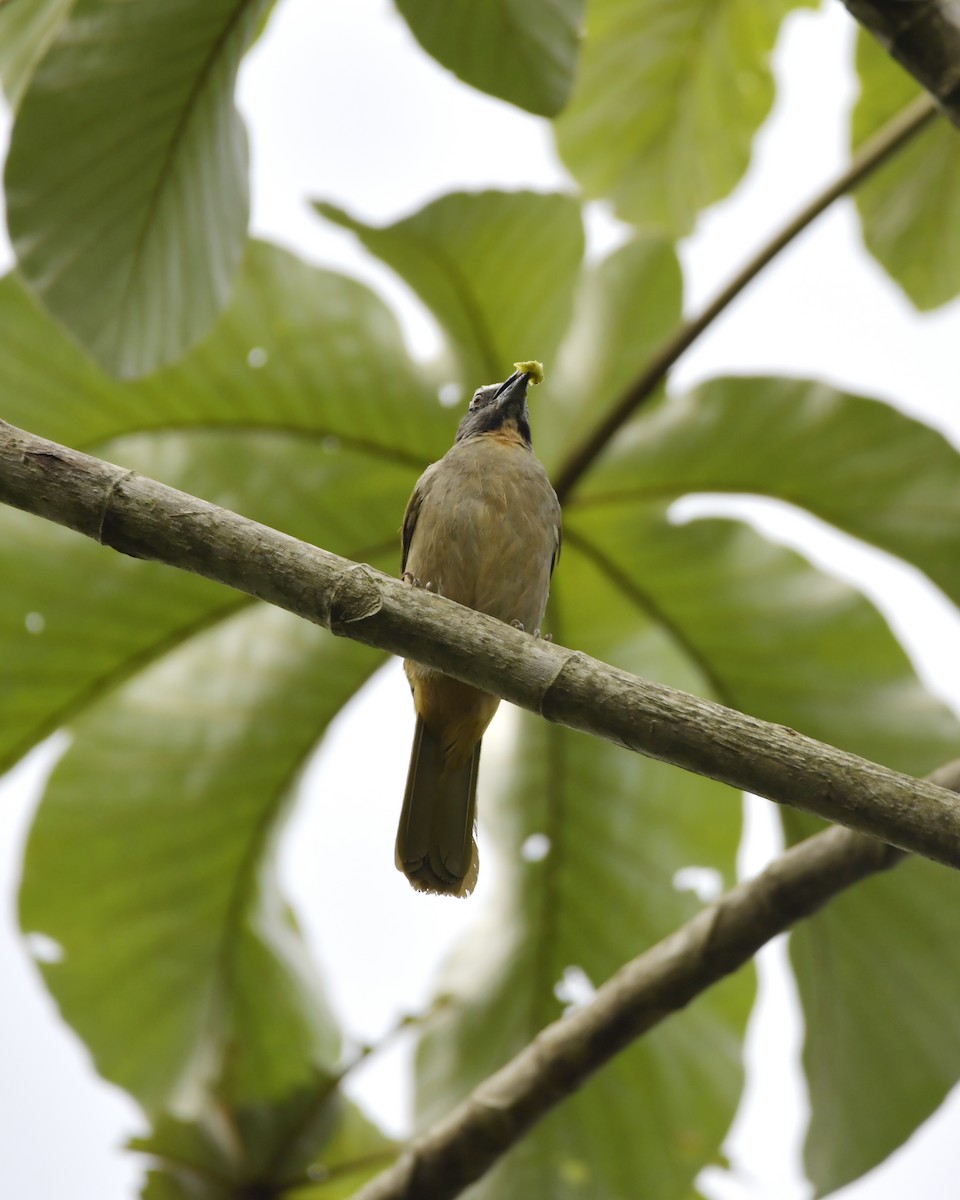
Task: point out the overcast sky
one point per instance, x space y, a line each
342 105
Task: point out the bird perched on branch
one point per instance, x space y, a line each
482 528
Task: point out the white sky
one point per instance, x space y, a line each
343 105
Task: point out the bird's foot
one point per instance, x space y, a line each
546 637
517 625
409 577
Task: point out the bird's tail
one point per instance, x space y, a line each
436 849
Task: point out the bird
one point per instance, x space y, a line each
482 527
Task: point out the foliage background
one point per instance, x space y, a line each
862 344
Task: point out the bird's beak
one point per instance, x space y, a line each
512 393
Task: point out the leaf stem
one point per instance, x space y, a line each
366 1050
895 134
403 1024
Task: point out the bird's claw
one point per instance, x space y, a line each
429 586
517 625
409 577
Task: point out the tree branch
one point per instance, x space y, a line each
146 519
924 37
719 939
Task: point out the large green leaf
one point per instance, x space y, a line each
626 306
287 356
150 863
909 208
668 97
877 973
875 1070
497 269
856 463
313 1134
284 414
76 620
126 181
742 608
281 413
524 51
27 27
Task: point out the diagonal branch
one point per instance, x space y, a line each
872 154
639 996
924 37
146 519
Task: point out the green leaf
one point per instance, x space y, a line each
854 462
668 97
161 1186
311 1134
772 636
626 306
131 232
203 1150
285 414
76 620
796 647
497 269
193 1167
877 971
283 358
27 27
282 413
356 1152
524 51
182 967
312 433
792 646
908 209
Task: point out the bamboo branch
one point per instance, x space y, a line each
924 38
146 519
719 940
875 151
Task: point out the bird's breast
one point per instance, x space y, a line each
488 529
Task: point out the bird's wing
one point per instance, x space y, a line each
410 515
556 552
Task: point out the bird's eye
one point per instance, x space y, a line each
482 396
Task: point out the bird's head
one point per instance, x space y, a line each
499 406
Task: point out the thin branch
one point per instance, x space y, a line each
318 1174
402 1025
924 37
719 940
872 153
310 1115
146 519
